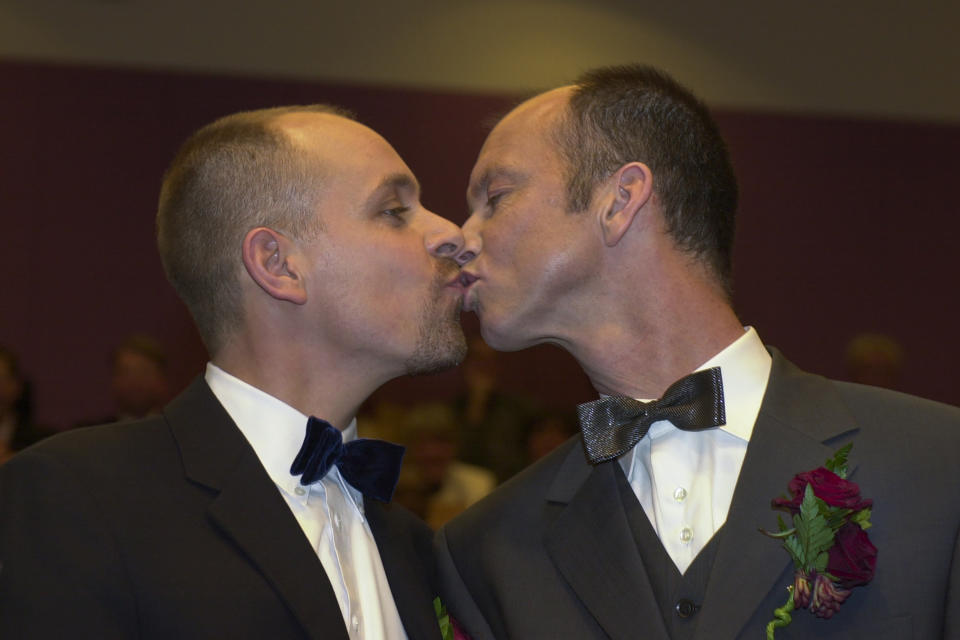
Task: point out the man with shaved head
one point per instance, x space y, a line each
249 508
602 218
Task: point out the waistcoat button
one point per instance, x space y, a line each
685 608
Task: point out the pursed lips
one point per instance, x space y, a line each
465 280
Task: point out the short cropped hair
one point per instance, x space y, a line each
637 113
235 174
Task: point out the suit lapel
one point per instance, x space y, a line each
409 584
591 544
799 417
250 511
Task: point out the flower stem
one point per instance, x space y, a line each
781 615
779 536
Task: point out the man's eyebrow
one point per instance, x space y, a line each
394 182
477 190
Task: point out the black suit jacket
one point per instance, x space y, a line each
171 528
551 554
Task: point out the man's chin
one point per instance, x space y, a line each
443 349
500 338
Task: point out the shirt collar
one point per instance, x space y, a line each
745 366
273 428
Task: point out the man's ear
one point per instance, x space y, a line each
633 185
266 256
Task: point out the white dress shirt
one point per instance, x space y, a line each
685 479
330 511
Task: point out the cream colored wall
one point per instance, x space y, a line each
873 58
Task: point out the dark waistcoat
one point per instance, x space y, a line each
678 596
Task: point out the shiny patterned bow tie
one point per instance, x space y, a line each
612 426
371 466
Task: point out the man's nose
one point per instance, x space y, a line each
446 240
471 241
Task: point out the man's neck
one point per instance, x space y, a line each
640 355
314 386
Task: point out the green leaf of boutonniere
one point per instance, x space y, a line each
793 547
838 463
443 619
862 518
836 518
813 533
820 564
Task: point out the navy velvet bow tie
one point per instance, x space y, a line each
612 426
371 466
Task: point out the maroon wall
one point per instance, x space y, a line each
848 226
845 225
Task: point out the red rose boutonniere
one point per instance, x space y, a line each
828 541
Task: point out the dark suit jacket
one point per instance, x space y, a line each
170 528
551 554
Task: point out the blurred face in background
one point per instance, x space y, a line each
139 384
10 387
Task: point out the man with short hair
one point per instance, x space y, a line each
248 508
602 219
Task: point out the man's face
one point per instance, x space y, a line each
139 384
534 256
382 279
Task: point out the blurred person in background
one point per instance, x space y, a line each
139 378
491 420
17 429
449 485
139 384
547 432
875 359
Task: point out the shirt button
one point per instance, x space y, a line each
685 608
686 534
336 520
679 494
299 490
355 622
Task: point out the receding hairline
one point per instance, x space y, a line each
301 129
546 101
307 132
552 105
295 122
